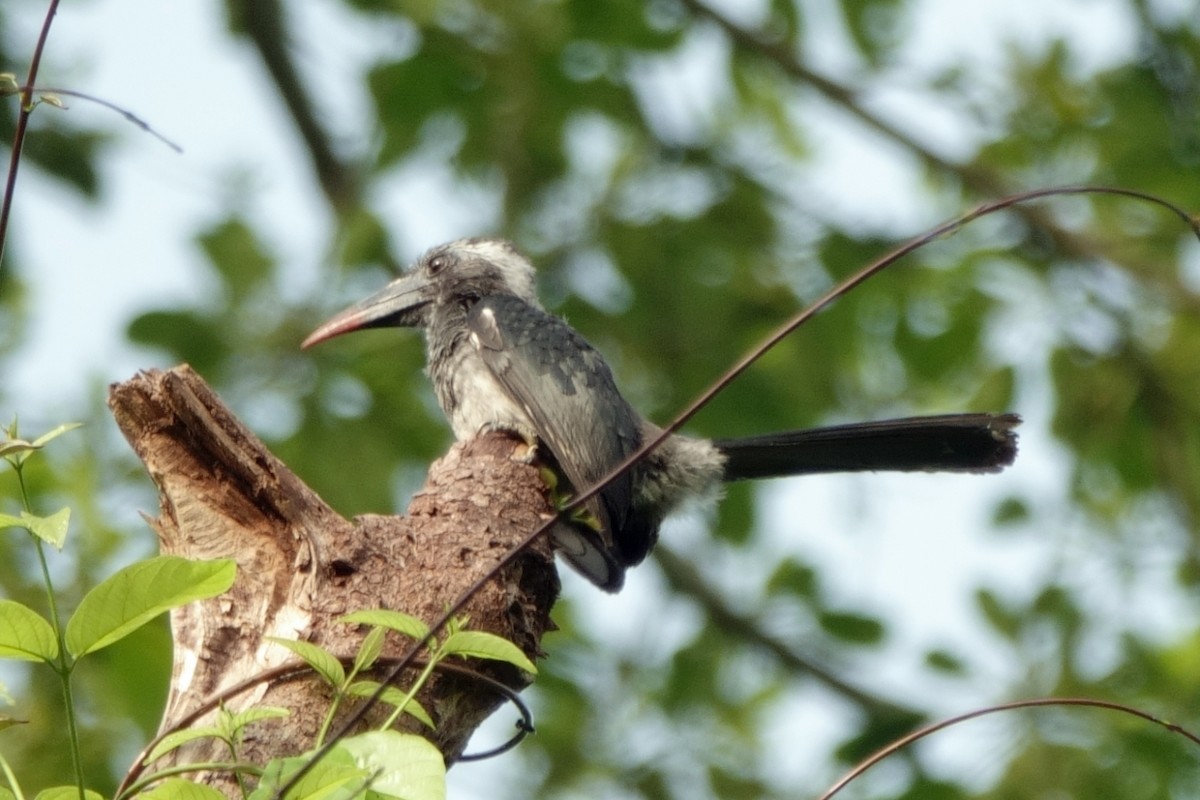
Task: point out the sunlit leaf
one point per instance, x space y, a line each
177 739
67 793
24 634
180 789
321 660
52 529
369 650
54 433
397 621
480 644
407 766
139 593
334 777
17 450
16 447
393 696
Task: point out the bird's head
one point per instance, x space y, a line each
457 273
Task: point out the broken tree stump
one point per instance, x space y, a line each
301 565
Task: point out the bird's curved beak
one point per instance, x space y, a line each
396 305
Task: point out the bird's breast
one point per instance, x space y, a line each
473 400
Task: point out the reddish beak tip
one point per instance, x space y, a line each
327 330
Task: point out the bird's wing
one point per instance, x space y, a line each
569 393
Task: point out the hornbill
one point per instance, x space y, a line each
499 361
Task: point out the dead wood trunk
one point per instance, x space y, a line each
301 565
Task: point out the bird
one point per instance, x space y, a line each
499 361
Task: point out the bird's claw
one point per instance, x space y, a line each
525 455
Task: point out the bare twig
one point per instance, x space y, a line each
1041 702
129 116
14 160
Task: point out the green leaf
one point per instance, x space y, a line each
67 793
320 659
393 697
796 578
945 662
369 650
239 721
408 766
187 335
52 529
334 777
397 621
1011 511
854 628
181 789
179 738
54 433
480 644
24 634
234 249
7 722
139 593
68 156
363 238
1003 619
16 450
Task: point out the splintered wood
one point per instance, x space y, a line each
301 565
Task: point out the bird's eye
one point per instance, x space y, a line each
437 264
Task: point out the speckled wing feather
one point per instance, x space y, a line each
570 396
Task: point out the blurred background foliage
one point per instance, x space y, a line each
664 163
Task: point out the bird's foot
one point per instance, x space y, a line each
526 454
561 497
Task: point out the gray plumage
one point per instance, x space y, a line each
499 361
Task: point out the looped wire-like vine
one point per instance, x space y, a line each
524 724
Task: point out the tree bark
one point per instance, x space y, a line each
301 566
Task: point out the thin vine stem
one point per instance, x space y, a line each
434 660
64 667
186 769
14 159
23 113
128 115
1041 702
13 784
